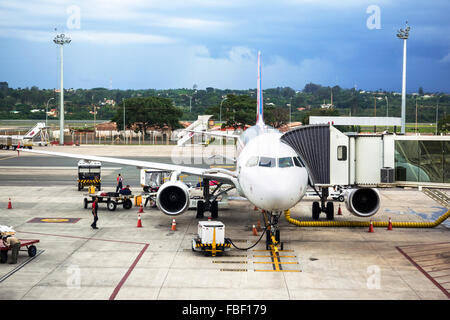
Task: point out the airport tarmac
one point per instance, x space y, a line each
121 261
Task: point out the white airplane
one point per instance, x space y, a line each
269 173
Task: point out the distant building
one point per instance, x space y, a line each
110 102
290 126
4 85
52 113
106 126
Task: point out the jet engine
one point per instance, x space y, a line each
363 202
173 198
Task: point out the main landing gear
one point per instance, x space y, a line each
209 202
328 208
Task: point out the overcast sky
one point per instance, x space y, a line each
139 44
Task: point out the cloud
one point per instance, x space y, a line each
238 69
99 37
134 13
445 59
336 4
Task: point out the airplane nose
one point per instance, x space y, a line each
284 197
282 194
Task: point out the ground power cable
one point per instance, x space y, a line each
262 234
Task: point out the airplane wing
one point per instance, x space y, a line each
219 174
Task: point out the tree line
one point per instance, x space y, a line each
282 103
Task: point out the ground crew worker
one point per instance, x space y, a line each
119 183
94 213
14 244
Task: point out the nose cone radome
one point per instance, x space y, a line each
280 191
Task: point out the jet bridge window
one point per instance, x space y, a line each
267 162
285 162
342 153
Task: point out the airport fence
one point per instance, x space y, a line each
114 139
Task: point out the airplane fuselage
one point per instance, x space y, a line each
270 175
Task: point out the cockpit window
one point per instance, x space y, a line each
267 162
285 162
252 161
298 162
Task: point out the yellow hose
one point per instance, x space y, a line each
299 223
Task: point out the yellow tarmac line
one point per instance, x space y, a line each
275 259
272 256
278 270
267 262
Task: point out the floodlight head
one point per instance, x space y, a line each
404 33
61 39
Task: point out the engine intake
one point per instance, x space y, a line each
173 198
363 202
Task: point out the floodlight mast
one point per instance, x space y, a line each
404 34
61 40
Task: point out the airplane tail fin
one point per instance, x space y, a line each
259 104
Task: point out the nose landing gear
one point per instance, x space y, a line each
273 241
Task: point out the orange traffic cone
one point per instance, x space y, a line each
9 204
255 233
141 209
390 224
174 225
371 227
258 226
339 211
139 224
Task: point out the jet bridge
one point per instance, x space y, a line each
371 160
